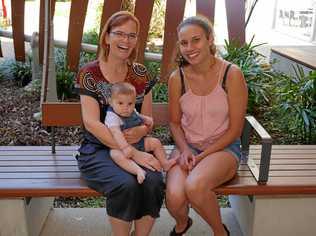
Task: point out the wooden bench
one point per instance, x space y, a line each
30 178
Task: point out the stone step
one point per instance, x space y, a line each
93 222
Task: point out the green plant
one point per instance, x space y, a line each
65 84
64 77
153 68
256 72
91 37
22 72
295 104
160 92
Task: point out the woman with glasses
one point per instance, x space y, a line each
127 201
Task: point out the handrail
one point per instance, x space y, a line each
156 57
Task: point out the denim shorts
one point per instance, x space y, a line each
233 148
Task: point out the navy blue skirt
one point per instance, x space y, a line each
125 198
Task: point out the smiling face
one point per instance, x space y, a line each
194 44
122 40
123 104
119 36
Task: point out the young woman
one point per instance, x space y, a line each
126 200
207 105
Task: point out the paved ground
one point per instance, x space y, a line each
93 222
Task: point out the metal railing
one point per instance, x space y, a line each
84 46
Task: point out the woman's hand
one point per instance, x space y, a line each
186 160
146 160
134 135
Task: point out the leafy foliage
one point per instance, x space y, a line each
256 72
160 92
64 77
91 37
295 104
17 71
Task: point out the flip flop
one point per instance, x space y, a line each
174 233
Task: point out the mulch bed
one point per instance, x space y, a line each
18 127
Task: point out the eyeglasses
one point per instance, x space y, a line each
121 35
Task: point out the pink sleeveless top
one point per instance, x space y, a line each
205 118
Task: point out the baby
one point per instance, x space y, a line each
121 114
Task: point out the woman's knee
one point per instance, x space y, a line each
195 187
129 184
175 197
153 182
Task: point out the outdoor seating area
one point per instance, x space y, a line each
275 184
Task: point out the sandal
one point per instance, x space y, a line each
226 229
174 233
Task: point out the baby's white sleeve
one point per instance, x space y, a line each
111 119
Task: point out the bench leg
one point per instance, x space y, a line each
289 215
20 217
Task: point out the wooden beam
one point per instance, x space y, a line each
17 9
206 8
69 114
174 15
143 11
75 31
109 8
235 11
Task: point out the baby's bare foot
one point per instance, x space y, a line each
166 165
140 175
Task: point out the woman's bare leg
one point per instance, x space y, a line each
120 227
144 225
211 172
176 200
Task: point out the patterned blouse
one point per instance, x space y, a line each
91 82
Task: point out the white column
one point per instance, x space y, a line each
21 218
289 215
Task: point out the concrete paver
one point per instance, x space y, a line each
93 222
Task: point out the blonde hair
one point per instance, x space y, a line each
123 88
205 25
117 19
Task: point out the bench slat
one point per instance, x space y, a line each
293 148
25 169
34 171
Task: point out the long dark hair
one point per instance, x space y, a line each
205 25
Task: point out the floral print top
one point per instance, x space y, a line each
91 82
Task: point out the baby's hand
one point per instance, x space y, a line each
149 121
128 151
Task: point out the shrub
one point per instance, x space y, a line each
153 68
160 92
65 84
64 77
295 105
22 72
256 72
6 69
91 37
